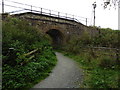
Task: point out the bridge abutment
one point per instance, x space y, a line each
60 30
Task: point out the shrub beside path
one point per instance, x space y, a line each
66 74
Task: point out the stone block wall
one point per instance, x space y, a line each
67 27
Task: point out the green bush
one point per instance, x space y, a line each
100 67
107 62
103 78
97 73
20 38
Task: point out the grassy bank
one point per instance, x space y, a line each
99 72
20 71
101 66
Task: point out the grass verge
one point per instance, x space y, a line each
96 74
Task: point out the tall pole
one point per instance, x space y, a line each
2 6
119 16
86 21
94 6
94 17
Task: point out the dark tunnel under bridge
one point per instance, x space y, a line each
57 37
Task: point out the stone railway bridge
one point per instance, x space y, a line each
59 29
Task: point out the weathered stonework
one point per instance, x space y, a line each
45 23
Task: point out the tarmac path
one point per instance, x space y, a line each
66 74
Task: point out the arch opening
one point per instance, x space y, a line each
57 37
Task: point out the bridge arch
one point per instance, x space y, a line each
57 37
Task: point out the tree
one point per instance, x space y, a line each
111 2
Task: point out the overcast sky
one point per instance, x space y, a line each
104 17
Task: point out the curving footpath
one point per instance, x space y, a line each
66 74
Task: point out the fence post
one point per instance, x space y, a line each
117 56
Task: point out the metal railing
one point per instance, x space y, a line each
30 8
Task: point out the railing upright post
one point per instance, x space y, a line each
41 10
50 12
73 17
58 14
86 21
66 15
31 8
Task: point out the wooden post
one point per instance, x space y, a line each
117 56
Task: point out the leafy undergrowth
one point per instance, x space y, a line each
97 75
101 66
19 38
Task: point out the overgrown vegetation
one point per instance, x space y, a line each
20 71
101 65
